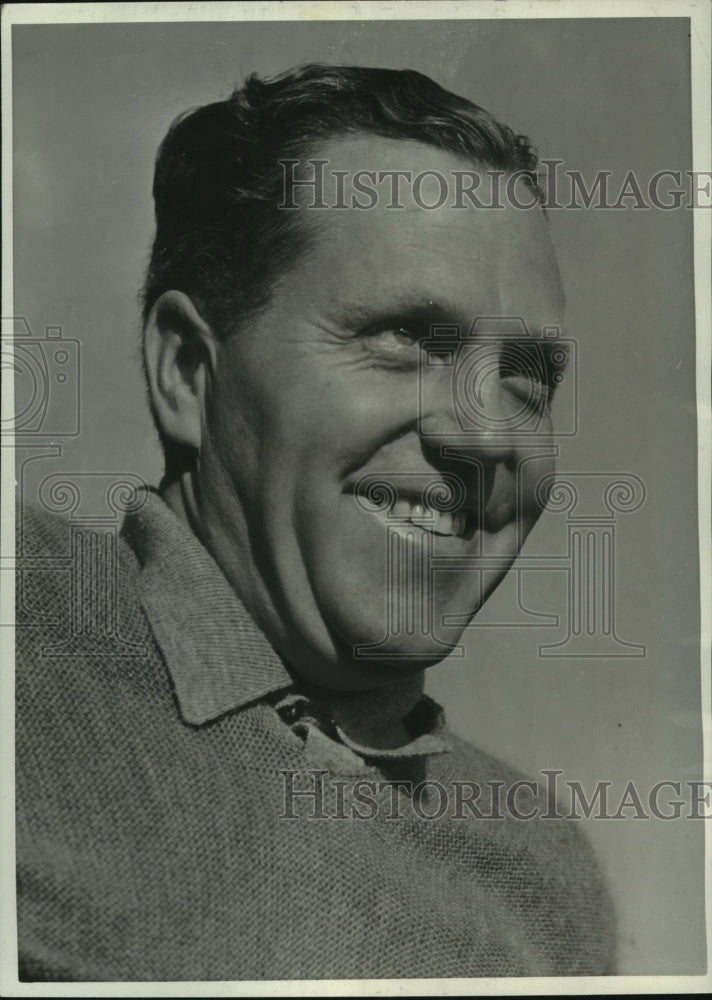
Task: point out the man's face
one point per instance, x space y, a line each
325 392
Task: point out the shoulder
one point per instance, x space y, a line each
43 579
39 532
86 663
49 546
525 806
518 823
74 594
58 562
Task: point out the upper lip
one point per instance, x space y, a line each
432 487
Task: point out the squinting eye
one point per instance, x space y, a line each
394 340
523 361
404 336
397 347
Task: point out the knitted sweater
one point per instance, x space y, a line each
161 750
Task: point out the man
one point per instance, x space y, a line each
257 792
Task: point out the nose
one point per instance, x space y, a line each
463 408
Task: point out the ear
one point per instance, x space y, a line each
179 350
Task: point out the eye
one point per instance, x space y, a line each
394 340
523 360
403 336
523 369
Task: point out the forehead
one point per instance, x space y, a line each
484 260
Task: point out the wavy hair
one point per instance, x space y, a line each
220 236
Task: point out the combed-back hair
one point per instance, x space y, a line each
221 237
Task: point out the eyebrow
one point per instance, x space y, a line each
412 308
424 312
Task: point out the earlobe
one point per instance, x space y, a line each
179 355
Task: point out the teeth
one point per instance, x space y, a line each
443 523
440 522
401 509
406 510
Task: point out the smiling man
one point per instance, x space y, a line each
263 790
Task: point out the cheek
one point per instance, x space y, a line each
229 457
347 421
535 476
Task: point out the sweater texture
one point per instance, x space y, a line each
162 747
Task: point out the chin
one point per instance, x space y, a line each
406 659
360 654
404 623
402 652
382 667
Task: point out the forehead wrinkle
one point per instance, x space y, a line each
445 252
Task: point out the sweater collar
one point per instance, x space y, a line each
219 660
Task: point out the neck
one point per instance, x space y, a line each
178 494
372 717
375 717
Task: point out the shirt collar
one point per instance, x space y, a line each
220 661
217 658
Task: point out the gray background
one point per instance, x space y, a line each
91 104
